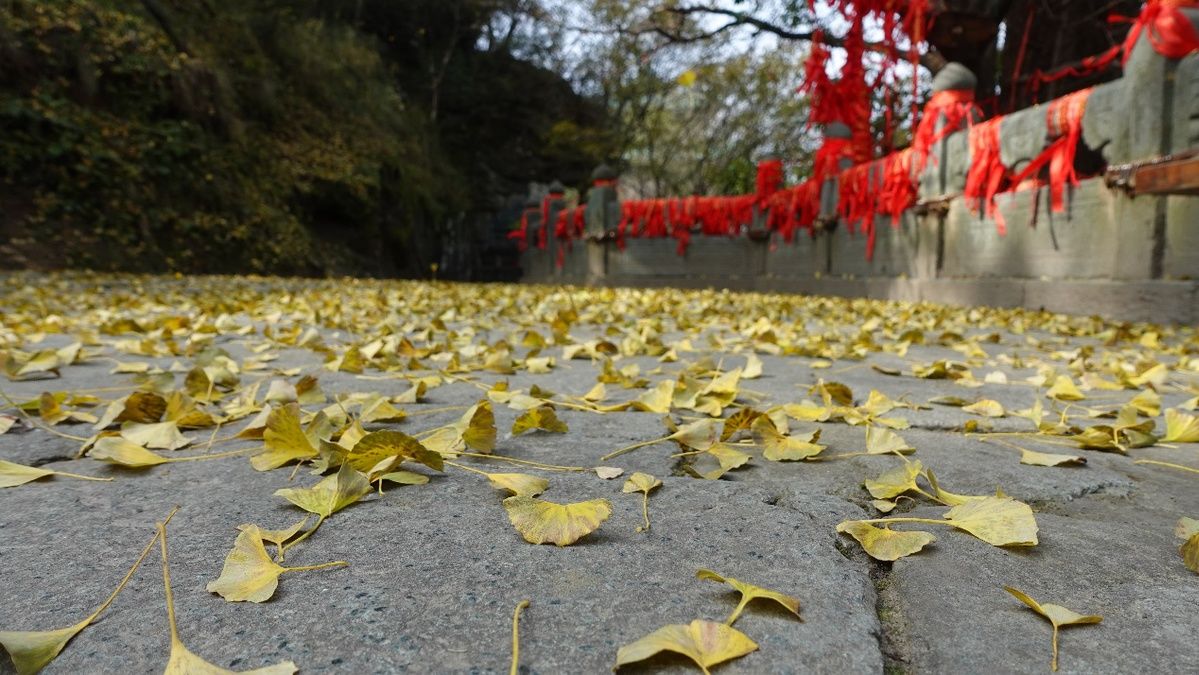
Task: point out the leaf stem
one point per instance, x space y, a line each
737 612
129 575
82 477
35 423
287 546
928 521
1054 664
1167 464
309 568
539 465
466 468
632 447
645 509
516 637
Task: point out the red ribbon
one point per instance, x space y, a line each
899 191
958 109
1064 118
769 180
988 176
1170 31
521 233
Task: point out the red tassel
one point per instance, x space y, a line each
1170 31
900 191
770 179
1064 118
988 176
958 109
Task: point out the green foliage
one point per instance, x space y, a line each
220 137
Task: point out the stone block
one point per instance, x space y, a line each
1074 245
1181 251
1105 125
1022 136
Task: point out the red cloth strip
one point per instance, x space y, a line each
1064 118
959 110
988 176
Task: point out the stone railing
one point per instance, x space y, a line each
1127 245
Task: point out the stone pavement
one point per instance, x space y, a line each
436 570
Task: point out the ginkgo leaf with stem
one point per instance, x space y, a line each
706 643
750 592
1188 530
542 522
13 474
181 660
520 607
330 495
31 651
249 574
999 521
521 484
1057 615
698 435
643 483
122 452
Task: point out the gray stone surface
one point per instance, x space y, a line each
436 570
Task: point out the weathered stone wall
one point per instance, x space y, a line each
1110 254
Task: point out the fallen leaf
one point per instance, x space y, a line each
1033 458
880 441
331 494
249 574
750 592
707 643
1188 530
1064 389
158 435
1057 615
608 472
778 448
985 408
1181 427
643 483
895 482
541 417
12 474
377 447
519 484
999 521
883 543
284 440
542 522
182 661
31 651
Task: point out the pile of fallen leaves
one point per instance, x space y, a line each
178 393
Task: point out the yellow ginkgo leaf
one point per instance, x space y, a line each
1057 615
284 440
12 474
883 543
778 447
249 574
542 522
895 482
276 537
753 367
608 472
475 429
656 400
1181 427
331 494
999 521
945 496
707 643
726 457
376 447
1147 403
123 452
1188 530
181 660
1064 389
158 435
542 417
880 441
750 592
1033 458
687 78
699 435
520 484
31 651
643 483
985 408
